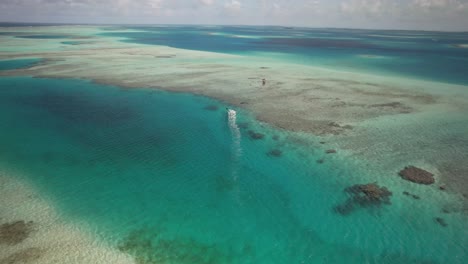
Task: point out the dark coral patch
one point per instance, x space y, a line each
445 211
317 43
417 175
170 56
211 107
275 153
225 184
441 221
79 108
411 195
369 193
255 135
364 196
15 232
243 125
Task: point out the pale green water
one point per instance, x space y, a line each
433 56
163 178
16 64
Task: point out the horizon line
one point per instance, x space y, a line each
224 25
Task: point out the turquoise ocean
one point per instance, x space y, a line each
172 178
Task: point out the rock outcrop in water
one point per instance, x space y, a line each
364 195
14 233
417 175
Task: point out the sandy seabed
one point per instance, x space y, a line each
31 231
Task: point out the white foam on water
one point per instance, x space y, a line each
236 139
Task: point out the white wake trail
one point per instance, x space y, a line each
236 139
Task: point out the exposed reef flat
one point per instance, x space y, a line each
31 231
372 117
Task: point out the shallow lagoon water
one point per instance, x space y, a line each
434 56
17 64
42 36
166 178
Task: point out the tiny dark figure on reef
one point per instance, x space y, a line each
263 81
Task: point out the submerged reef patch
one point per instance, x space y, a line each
78 107
225 184
340 127
75 43
364 196
404 109
318 43
325 127
211 107
414 196
441 221
255 135
15 232
275 153
417 175
17 64
243 125
170 56
147 247
43 36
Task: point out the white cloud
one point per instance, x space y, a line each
432 3
417 14
437 5
155 4
367 7
233 5
411 14
207 2
276 7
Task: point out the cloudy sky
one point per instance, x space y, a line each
387 14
